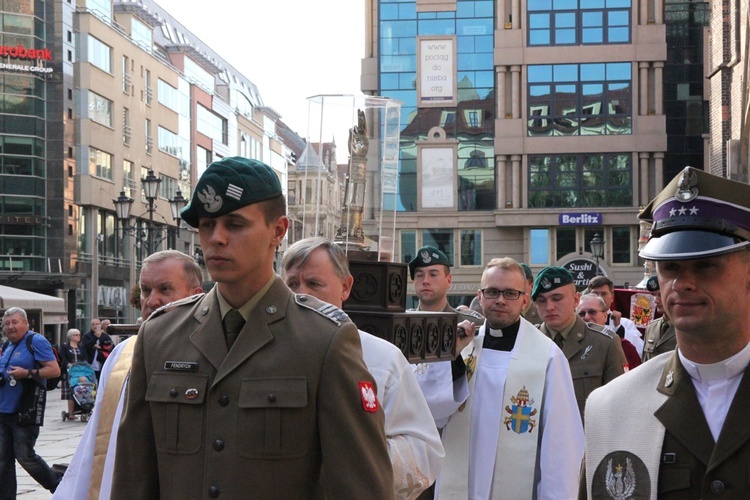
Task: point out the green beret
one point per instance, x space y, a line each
427 256
697 215
527 271
228 185
550 278
652 284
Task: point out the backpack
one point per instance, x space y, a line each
50 383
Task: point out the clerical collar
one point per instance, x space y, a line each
501 340
730 367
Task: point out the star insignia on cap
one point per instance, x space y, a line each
672 212
694 210
683 210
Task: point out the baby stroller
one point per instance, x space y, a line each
82 381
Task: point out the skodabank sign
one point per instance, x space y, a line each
34 57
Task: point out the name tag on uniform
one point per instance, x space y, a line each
181 366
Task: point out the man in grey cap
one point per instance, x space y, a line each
683 416
659 336
249 390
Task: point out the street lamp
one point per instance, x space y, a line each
123 205
597 250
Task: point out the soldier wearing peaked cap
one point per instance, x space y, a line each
684 414
251 390
594 354
659 337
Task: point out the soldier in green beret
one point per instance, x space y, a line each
594 353
249 390
683 416
530 314
659 337
431 272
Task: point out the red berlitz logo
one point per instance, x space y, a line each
369 397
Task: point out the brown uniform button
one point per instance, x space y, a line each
717 487
213 491
271 397
224 400
218 445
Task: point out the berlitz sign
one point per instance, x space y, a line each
580 219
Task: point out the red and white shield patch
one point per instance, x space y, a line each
369 397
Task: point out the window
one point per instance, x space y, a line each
169 142
408 246
578 22
583 180
196 74
100 54
539 246
127 81
441 239
566 242
579 99
148 92
621 251
203 160
100 109
128 183
100 163
168 95
141 34
168 187
126 129
102 8
471 247
212 125
149 139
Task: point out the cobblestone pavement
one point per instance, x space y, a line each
56 444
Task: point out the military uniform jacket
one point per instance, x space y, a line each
259 421
690 465
472 316
660 338
595 356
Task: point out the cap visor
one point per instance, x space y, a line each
686 245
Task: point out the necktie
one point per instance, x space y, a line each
559 340
233 323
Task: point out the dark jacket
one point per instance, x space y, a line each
68 358
105 342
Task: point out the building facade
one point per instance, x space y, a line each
530 127
99 94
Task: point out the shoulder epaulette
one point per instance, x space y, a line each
323 308
176 303
601 329
473 313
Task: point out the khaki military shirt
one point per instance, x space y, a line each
660 338
594 354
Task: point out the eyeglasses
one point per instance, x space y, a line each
590 312
493 293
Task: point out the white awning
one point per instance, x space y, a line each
53 307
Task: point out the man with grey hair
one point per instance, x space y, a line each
318 267
25 355
166 276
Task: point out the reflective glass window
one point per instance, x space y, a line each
408 246
100 163
100 54
578 22
442 239
582 180
471 247
539 246
100 109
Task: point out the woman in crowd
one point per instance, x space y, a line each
71 352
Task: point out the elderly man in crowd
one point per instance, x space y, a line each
595 355
166 276
511 426
250 389
318 267
593 309
604 288
25 355
683 415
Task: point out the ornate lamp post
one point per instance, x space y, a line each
597 250
123 205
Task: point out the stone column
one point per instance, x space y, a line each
659 87
501 163
659 171
643 179
500 72
515 161
643 88
515 83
